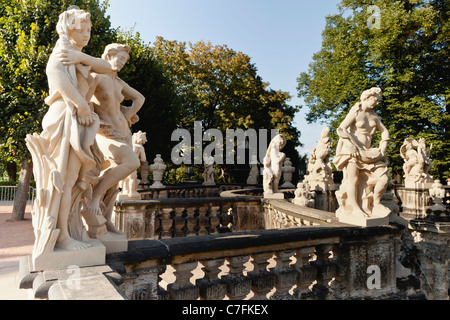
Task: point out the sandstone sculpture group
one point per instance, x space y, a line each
86 150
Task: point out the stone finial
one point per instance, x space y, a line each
158 167
287 170
254 171
437 194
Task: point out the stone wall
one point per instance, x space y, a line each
301 263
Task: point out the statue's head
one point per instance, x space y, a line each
75 26
370 98
140 138
117 55
279 141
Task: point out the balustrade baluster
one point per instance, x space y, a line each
326 270
179 222
238 285
191 222
211 287
285 276
214 220
203 221
182 288
307 274
263 280
166 223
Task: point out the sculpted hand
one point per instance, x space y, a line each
69 57
343 134
84 116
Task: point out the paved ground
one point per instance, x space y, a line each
16 241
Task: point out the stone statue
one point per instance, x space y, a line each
254 171
114 136
273 163
311 162
320 174
208 174
65 155
303 195
365 167
129 185
158 168
417 163
288 170
139 139
113 139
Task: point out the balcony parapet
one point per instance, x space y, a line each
185 217
300 263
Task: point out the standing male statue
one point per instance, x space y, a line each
65 154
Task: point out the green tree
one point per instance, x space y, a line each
406 55
160 113
220 87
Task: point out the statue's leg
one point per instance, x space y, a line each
352 189
70 178
127 163
379 189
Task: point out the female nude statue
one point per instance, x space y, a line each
114 137
365 168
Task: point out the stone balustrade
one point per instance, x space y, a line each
185 191
301 263
168 218
282 214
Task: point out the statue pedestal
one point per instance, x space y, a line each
426 184
363 221
126 197
157 185
414 202
60 259
276 195
114 242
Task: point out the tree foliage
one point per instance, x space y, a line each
407 56
160 113
221 87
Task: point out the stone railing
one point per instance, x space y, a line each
186 191
301 263
282 214
168 218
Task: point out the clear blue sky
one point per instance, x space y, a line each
280 36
